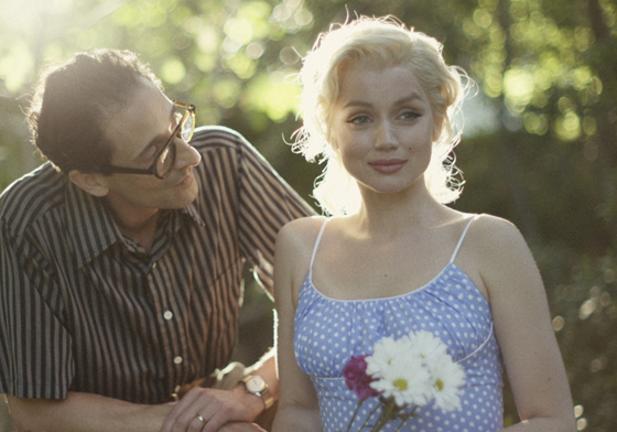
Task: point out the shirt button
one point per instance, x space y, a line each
154 266
168 315
178 360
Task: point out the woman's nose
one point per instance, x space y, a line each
386 136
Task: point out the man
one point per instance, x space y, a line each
121 258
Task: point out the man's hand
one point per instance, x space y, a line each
242 427
207 410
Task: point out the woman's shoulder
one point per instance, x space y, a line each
494 228
294 246
495 238
299 235
302 228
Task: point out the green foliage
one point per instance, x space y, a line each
545 69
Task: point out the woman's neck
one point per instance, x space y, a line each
390 215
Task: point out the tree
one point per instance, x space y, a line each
546 73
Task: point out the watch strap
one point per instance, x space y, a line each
264 393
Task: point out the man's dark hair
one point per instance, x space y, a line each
73 102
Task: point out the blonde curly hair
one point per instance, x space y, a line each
386 41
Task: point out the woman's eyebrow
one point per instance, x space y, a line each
409 98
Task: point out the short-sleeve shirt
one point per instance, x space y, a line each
84 308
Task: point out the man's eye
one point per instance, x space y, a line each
150 152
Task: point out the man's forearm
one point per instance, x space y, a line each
266 368
229 404
85 412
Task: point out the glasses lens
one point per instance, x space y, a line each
188 127
178 115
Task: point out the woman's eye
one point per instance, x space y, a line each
409 115
359 119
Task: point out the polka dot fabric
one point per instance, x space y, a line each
329 331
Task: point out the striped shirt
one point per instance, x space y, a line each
84 308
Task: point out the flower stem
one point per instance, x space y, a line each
400 426
355 414
404 419
386 415
368 417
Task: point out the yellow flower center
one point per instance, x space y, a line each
400 384
439 385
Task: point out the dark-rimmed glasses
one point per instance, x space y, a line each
184 116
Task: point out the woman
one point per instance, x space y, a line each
378 101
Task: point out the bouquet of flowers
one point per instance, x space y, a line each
405 374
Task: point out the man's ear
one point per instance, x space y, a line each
92 183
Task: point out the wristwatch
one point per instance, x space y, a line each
257 386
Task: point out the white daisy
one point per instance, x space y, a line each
427 346
385 351
447 379
406 380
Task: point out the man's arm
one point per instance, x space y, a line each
85 412
266 204
36 363
222 407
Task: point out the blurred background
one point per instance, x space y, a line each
540 144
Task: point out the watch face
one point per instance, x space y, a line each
255 384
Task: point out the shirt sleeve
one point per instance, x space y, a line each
36 359
267 203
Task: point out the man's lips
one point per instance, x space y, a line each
184 180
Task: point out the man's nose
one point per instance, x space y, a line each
187 155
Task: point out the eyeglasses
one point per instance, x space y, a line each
184 116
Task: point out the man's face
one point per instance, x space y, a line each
137 133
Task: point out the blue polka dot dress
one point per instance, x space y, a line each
329 331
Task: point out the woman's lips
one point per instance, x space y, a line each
388 166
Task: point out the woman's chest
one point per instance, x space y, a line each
328 332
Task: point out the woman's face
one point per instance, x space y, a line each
382 126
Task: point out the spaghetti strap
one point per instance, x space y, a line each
315 247
460 241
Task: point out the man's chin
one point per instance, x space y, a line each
184 198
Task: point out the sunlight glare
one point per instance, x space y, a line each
24 16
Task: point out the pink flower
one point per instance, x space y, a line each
357 379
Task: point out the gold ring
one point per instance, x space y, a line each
200 419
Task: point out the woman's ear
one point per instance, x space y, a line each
92 183
331 142
437 126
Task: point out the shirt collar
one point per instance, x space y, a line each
191 211
92 226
